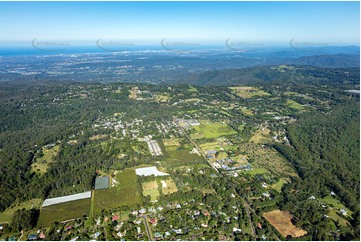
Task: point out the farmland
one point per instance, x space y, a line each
181 158
64 211
281 220
171 142
126 192
208 129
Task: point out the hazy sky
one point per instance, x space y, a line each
329 22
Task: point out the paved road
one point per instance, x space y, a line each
199 149
148 230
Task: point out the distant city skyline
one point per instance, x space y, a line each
331 23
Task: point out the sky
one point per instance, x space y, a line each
273 22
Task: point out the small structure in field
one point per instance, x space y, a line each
101 182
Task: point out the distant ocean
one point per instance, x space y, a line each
19 51
27 51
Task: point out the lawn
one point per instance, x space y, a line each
278 185
42 163
64 211
168 186
151 188
257 171
7 215
214 130
126 192
281 220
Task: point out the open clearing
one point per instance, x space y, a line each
7 215
99 136
42 163
168 186
151 188
281 220
125 192
189 100
261 135
246 111
162 98
192 89
171 142
248 92
278 185
212 130
133 93
181 158
64 211
269 159
294 105
334 213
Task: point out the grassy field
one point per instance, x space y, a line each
246 111
222 155
171 142
171 187
248 92
124 193
151 188
181 158
42 163
261 136
213 130
257 171
278 185
241 159
189 100
294 105
99 136
336 205
192 89
64 211
210 146
162 98
7 215
281 220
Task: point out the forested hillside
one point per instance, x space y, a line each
325 152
